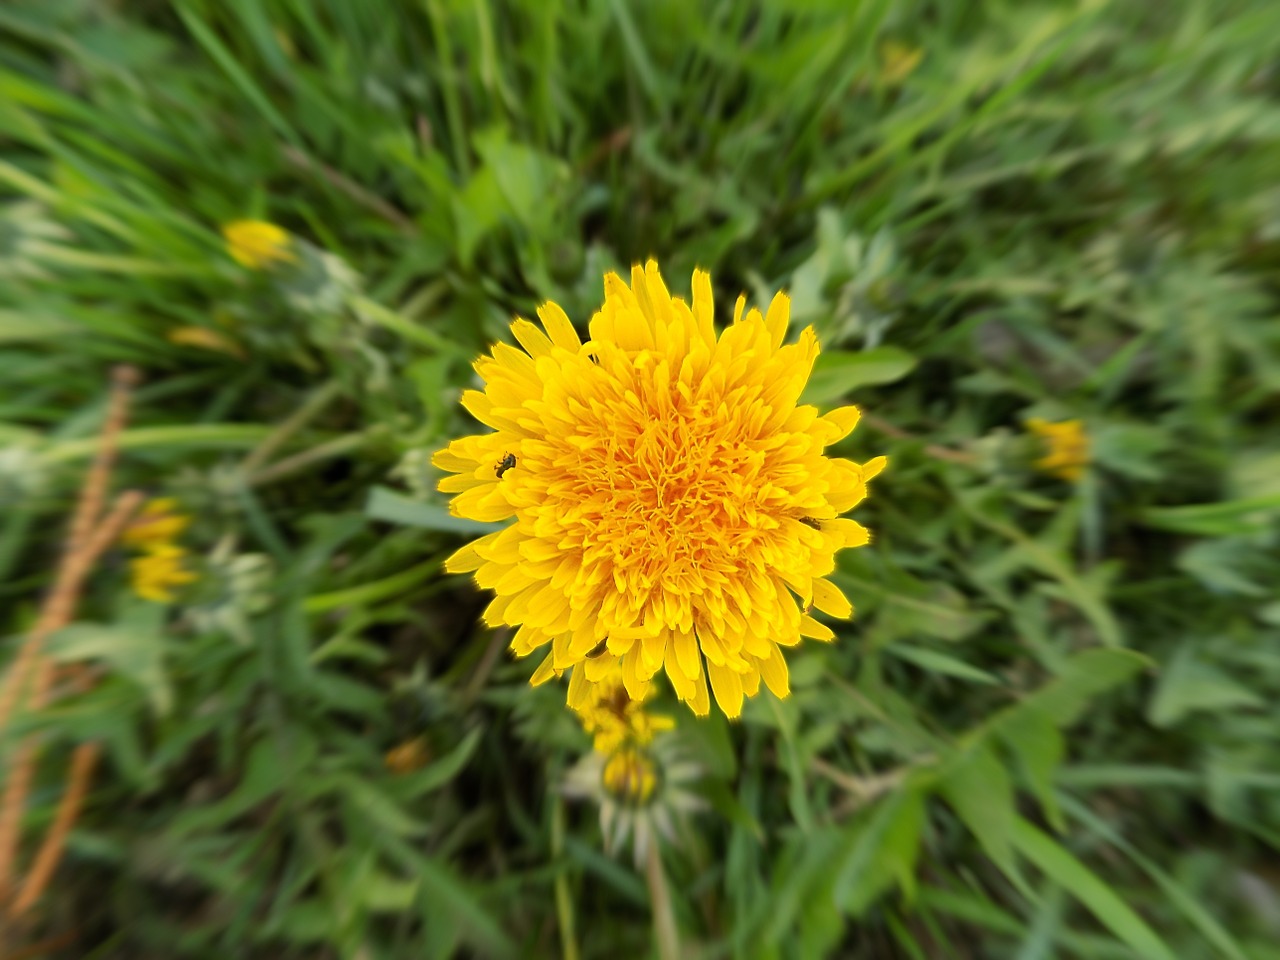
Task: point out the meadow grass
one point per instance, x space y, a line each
1050 730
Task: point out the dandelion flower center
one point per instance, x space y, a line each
673 506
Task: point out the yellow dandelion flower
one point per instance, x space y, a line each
158 522
257 244
610 715
673 508
1068 448
158 571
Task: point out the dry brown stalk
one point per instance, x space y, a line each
99 540
89 536
45 948
934 450
22 763
123 380
346 185
76 560
46 860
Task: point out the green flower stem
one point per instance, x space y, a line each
375 590
310 408
111 263
224 435
664 920
564 903
402 325
337 447
13 534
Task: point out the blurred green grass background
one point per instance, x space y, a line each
1052 729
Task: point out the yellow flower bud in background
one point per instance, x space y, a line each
1068 448
257 244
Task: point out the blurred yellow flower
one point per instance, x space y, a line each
610 715
673 507
408 756
158 570
643 792
898 61
630 776
1068 447
158 522
205 339
160 566
257 244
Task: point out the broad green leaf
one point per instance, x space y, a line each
977 787
383 893
307 921
838 372
523 175
1103 902
1031 736
478 209
129 651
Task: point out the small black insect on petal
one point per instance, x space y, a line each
506 463
811 522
